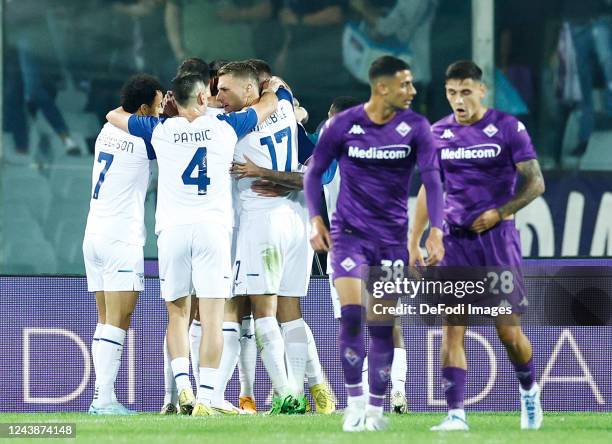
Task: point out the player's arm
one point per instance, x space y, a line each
524 157
172 21
419 224
427 160
268 102
533 186
119 118
248 168
327 149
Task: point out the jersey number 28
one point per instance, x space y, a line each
198 163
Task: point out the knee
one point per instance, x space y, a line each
452 339
509 336
351 320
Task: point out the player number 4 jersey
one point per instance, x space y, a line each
120 178
194 159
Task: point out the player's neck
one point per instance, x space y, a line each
478 116
191 113
378 112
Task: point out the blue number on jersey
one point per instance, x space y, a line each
198 161
278 136
108 159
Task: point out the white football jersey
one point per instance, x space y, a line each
194 159
272 145
119 182
331 191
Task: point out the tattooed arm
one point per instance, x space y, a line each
532 187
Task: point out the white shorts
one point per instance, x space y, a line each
112 265
195 257
272 255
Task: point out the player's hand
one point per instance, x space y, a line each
319 235
246 169
415 256
435 247
169 105
486 220
266 188
274 83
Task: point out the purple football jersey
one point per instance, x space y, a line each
376 162
478 163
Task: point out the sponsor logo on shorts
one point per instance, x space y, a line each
348 264
504 304
386 152
481 151
403 128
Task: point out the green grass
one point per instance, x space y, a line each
575 428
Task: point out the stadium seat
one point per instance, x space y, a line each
24 185
30 257
597 156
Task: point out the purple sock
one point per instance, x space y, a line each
525 373
380 357
453 381
352 347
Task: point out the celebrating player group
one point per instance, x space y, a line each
238 218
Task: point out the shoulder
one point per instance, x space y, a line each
343 121
508 124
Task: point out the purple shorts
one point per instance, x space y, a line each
497 248
351 254
500 246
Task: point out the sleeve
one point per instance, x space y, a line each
330 172
305 145
284 94
519 142
142 126
242 122
429 167
328 148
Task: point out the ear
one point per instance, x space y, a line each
382 88
144 109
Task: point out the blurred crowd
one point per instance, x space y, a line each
66 60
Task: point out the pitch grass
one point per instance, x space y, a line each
575 428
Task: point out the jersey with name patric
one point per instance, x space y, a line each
194 159
272 145
478 163
120 178
376 163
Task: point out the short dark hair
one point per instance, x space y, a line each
194 65
464 69
183 86
216 65
139 89
343 103
261 66
386 66
244 70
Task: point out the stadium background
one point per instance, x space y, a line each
64 61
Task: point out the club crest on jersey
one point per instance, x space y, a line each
403 128
490 130
480 151
356 129
447 134
351 357
348 264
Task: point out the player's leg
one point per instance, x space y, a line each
212 279
454 370
122 270
247 360
520 354
325 401
195 336
231 340
399 367
170 391
352 349
174 246
101 308
270 340
293 329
